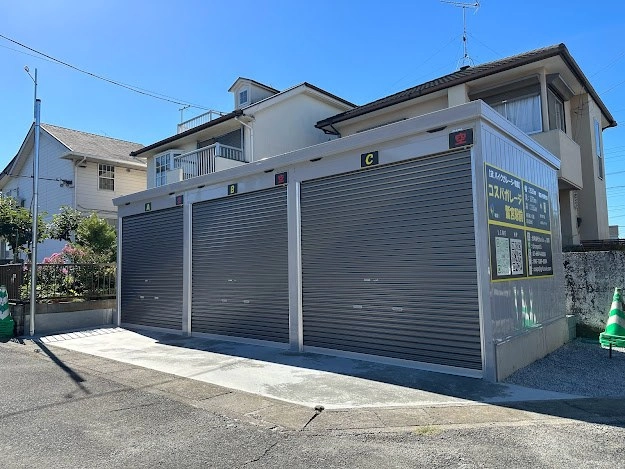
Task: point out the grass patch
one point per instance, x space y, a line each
427 430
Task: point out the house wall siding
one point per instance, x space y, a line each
51 195
395 114
89 198
289 125
593 208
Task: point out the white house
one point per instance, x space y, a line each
76 169
265 122
546 95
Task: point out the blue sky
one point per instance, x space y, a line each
192 51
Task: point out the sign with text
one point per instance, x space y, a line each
536 207
519 226
280 178
507 252
148 207
461 138
369 159
505 197
539 258
232 189
179 199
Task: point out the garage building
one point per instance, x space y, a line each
433 242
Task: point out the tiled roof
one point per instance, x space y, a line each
84 143
468 74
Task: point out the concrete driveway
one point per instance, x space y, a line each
305 379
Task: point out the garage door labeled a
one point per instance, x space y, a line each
388 262
240 266
151 277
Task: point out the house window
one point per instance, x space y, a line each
106 177
523 112
163 164
598 149
556 111
242 97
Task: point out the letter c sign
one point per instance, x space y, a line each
368 159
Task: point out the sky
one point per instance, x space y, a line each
191 51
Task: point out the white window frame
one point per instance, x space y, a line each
106 174
598 152
558 110
245 90
160 178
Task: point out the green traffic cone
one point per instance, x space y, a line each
615 328
6 321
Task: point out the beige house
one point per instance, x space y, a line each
265 122
76 169
545 94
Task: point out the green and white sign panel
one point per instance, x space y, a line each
6 321
519 227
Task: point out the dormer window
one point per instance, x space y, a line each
243 97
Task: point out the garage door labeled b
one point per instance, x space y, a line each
151 277
388 262
240 266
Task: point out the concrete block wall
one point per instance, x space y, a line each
590 278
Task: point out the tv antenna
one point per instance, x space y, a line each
465 61
182 112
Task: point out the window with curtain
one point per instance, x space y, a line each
523 112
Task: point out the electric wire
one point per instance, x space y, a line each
133 88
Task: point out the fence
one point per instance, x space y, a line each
60 281
597 245
12 276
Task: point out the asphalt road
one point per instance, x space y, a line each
57 415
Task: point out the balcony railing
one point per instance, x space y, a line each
199 120
204 160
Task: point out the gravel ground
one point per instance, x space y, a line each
581 367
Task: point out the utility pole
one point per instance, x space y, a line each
466 61
35 211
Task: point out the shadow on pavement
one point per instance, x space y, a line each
461 387
71 373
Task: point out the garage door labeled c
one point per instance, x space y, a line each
388 262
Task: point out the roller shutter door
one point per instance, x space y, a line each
151 278
240 266
388 262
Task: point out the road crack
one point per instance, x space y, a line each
265 453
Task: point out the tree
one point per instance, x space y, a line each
98 237
65 223
16 227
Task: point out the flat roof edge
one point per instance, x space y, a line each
449 117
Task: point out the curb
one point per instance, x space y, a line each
280 415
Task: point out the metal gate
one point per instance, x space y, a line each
151 277
240 269
388 262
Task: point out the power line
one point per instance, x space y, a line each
136 89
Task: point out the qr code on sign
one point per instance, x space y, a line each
516 256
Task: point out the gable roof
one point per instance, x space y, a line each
254 82
92 145
467 74
234 114
80 145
